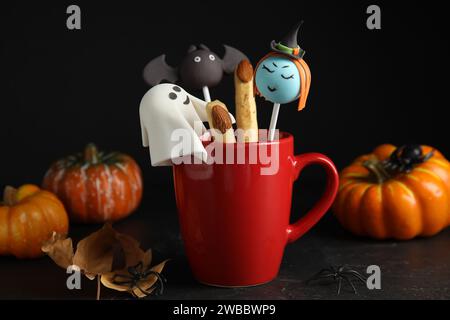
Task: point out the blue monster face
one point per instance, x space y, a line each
278 79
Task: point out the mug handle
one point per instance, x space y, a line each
299 228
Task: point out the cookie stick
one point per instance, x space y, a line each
245 101
220 122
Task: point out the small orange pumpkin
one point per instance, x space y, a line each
28 218
96 187
395 193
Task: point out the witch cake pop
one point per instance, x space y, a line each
282 76
200 69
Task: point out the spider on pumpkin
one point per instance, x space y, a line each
137 274
339 274
405 157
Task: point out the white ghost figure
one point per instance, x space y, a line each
168 112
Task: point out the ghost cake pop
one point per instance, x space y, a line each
282 76
166 112
200 69
164 109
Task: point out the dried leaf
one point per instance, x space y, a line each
148 283
94 253
59 249
109 255
147 259
121 280
119 259
108 280
131 249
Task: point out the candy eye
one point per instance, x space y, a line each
197 59
211 57
290 77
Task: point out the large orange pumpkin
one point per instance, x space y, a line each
28 218
95 186
395 193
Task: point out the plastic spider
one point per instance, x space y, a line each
137 274
339 274
405 157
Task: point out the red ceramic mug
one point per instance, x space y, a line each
235 220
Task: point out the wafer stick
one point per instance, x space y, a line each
245 101
220 122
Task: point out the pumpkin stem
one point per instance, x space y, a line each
91 154
9 196
377 170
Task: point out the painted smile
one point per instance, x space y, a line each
187 101
271 89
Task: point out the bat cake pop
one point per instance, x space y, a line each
200 69
282 76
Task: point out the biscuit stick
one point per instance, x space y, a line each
245 101
220 122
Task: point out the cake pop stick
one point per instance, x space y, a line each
206 94
245 101
282 76
220 122
273 121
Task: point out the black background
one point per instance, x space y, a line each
61 89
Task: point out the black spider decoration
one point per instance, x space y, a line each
339 274
405 157
137 274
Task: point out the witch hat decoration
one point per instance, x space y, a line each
288 44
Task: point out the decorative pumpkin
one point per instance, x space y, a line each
395 193
28 218
96 187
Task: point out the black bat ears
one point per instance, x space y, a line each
203 47
192 48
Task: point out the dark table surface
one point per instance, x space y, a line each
416 269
